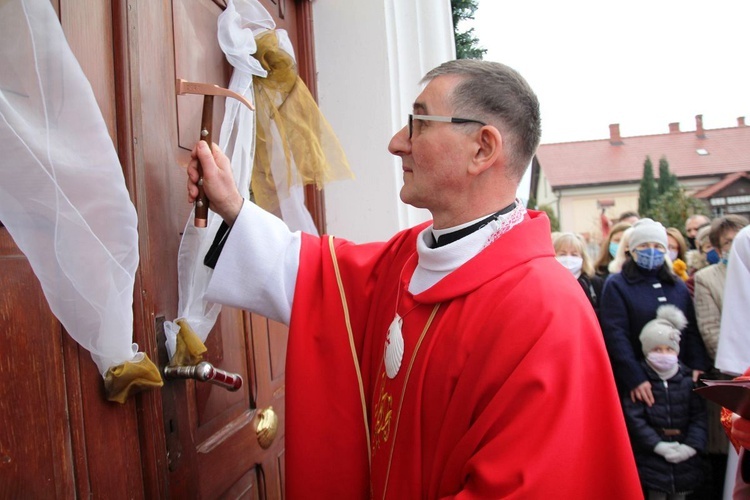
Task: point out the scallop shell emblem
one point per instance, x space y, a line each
394 347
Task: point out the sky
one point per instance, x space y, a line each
640 63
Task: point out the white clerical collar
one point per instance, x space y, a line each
436 263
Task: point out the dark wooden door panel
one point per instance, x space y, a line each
35 446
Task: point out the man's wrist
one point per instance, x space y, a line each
233 211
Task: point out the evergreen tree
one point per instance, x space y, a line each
554 222
466 42
647 192
667 180
674 207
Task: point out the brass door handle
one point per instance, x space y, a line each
205 372
266 426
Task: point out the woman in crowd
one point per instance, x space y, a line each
622 254
570 251
630 300
608 249
676 249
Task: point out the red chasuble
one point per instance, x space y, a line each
504 390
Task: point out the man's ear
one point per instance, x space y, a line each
489 149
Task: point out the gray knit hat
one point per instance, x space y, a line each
664 330
647 231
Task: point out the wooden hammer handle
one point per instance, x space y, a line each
201 203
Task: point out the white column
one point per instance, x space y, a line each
370 56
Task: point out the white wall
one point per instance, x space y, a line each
370 56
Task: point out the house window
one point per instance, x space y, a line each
718 201
733 200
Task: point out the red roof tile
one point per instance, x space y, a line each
599 162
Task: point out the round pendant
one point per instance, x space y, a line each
394 347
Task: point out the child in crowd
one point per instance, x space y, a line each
570 251
668 435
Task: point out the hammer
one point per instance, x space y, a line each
208 91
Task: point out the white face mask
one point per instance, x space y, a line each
571 263
673 255
662 362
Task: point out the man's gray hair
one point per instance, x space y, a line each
498 95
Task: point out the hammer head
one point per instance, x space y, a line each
185 87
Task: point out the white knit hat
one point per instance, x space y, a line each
664 330
647 231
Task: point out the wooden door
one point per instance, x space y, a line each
211 434
59 437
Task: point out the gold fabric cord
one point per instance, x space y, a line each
307 140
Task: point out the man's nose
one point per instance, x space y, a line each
400 143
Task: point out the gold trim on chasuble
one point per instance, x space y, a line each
403 393
351 345
383 408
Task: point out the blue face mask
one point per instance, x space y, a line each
613 248
713 257
649 258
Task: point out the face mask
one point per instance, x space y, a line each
713 257
649 258
571 263
673 255
662 362
691 243
613 248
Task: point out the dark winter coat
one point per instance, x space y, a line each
676 407
629 301
592 287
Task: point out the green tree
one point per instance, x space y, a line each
674 207
667 180
554 222
647 191
466 42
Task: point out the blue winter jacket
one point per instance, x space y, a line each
629 301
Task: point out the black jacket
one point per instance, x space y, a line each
676 407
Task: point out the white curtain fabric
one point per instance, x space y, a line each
62 192
733 352
237 27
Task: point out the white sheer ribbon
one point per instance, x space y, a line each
62 192
237 27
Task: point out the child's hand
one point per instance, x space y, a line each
682 453
666 449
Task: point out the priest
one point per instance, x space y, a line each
457 359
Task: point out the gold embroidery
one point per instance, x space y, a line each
383 414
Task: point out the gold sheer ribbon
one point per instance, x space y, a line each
124 380
307 140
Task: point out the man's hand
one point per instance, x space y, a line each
643 393
218 181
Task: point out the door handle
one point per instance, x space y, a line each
205 372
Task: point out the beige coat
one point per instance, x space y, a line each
709 297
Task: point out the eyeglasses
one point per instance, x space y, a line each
445 119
